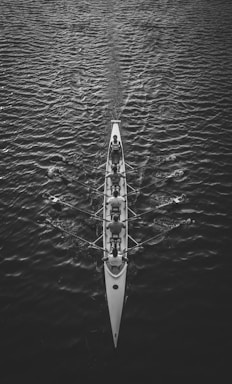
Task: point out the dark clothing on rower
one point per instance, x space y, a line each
115 227
115 178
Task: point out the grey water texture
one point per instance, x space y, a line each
66 69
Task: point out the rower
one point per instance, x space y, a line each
115 201
115 227
115 150
115 177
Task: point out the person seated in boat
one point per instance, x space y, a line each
115 258
115 150
115 201
115 226
115 177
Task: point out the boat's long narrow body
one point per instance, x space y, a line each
115 278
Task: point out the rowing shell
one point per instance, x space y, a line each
115 277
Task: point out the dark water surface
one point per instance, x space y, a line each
66 69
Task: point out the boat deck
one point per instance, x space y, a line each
115 277
108 191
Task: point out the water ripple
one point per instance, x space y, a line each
68 68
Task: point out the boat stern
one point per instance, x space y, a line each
115 292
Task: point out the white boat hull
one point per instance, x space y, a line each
115 292
115 278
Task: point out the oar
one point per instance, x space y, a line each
87 186
139 189
152 210
130 166
188 221
136 169
132 188
74 163
146 241
131 193
57 200
92 244
72 179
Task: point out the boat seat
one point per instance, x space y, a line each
115 239
115 187
115 210
115 236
